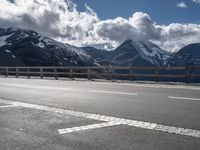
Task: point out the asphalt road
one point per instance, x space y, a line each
83 115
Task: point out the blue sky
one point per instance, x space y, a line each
162 11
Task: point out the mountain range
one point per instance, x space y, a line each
28 48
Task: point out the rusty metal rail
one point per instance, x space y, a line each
116 72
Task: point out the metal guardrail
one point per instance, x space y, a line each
106 72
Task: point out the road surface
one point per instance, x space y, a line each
83 115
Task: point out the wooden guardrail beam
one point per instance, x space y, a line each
104 72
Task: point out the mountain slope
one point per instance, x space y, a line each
139 53
29 48
97 54
187 56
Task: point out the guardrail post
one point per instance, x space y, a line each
41 73
17 72
187 74
107 73
6 72
130 73
110 71
28 73
89 73
157 74
55 73
71 73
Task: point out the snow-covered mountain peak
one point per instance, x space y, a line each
147 50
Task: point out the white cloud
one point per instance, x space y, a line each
62 21
175 36
182 5
196 1
54 18
140 26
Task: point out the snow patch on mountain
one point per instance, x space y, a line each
26 47
45 41
14 56
8 51
151 52
3 39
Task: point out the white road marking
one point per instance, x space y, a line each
118 121
184 98
88 127
7 106
149 84
142 84
113 92
66 89
37 87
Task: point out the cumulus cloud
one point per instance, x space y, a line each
140 26
182 5
118 29
196 1
175 36
58 19
61 20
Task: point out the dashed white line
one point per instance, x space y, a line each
184 98
113 92
111 121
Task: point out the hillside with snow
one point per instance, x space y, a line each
131 53
187 56
29 48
